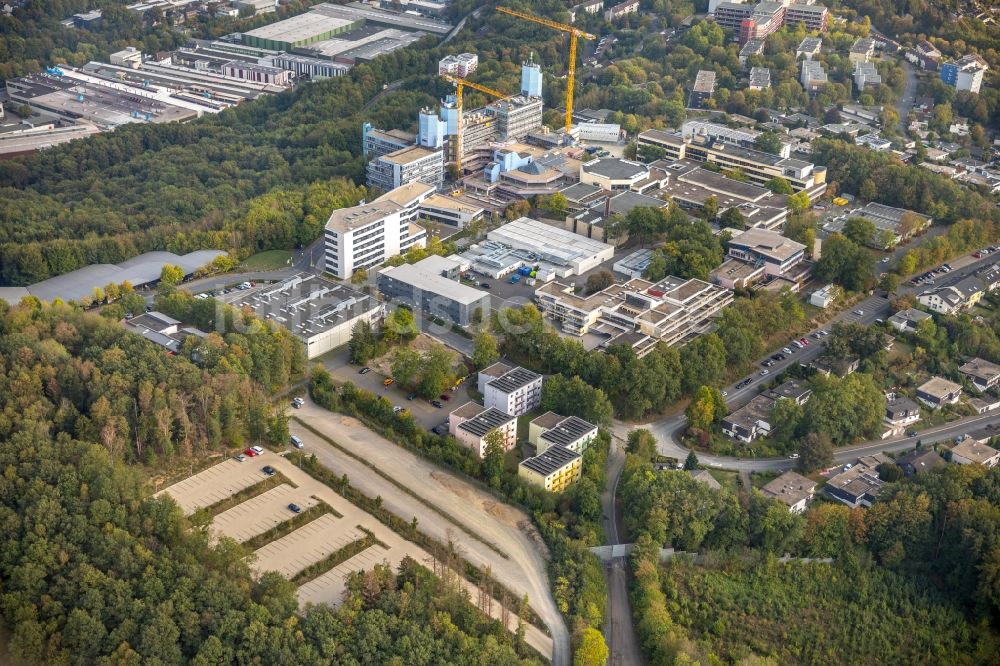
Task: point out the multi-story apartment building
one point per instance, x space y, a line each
570 432
472 422
813 77
638 312
621 9
862 50
554 470
515 392
367 235
757 21
759 167
414 164
966 73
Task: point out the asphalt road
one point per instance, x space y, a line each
909 92
619 632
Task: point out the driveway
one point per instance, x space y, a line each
431 491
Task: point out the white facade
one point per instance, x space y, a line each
460 65
567 253
605 132
516 393
129 57
368 234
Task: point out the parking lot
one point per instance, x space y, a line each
307 545
215 484
329 588
259 514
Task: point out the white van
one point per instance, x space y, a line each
296 442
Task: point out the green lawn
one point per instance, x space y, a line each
728 480
267 261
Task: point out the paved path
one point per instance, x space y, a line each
619 632
508 528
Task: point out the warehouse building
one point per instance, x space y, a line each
301 30
431 285
317 311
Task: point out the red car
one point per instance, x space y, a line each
250 453
803 341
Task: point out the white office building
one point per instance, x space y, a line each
368 234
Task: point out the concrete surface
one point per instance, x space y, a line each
259 514
215 483
523 570
329 588
306 546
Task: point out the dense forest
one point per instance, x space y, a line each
94 570
914 578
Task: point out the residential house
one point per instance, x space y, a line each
900 412
970 451
919 461
953 299
858 485
937 392
794 390
750 421
840 367
983 374
905 321
792 489
704 476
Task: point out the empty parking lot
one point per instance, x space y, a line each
305 546
215 484
259 514
329 588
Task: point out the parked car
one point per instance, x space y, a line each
267 469
294 508
240 457
803 341
437 403
444 396
388 381
396 409
860 313
412 396
794 456
364 371
257 449
764 372
296 442
298 402
249 453
484 285
788 351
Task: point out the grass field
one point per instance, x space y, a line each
267 261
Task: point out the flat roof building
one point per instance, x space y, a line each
791 489
571 433
431 285
319 312
301 30
565 252
983 374
613 174
813 77
638 313
366 235
966 73
969 451
760 78
160 329
750 421
809 47
703 88
938 391
858 486
777 254
407 165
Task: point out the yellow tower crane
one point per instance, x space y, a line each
574 33
459 85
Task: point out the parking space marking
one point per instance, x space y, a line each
329 588
259 514
214 484
305 546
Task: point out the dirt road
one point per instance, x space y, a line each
508 529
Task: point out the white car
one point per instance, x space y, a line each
764 372
787 351
257 449
860 313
